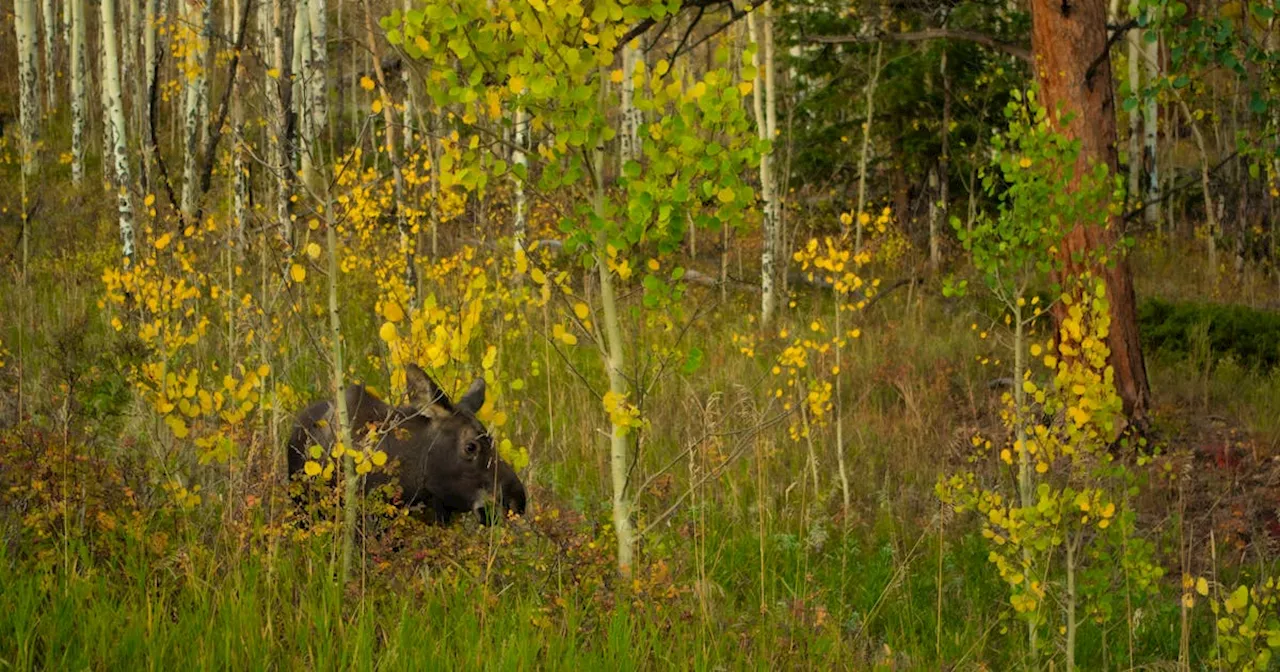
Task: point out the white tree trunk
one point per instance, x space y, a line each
240 181
193 79
115 112
108 132
629 138
24 24
206 61
79 104
50 15
1150 130
519 158
760 100
317 77
866 145
300 98
270 19
149 18
1135 117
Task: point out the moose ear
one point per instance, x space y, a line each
474 398
424 394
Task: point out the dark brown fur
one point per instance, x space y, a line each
440 454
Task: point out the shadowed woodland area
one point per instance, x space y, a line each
640 334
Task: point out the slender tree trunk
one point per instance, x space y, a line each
760 101
115 113
944 164
108 133
239 167
408 246
79 104
150 17
271 28
1066 39
1150 131
342 431
615 363
629 138
301 95
193 75
50 15
24 24
1134 40
317 74
865 155
519 158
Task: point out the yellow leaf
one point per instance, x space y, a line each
366 83
163 241
726 195
149 200
298 272
538 276
274 73
745 88
393 311
312 468
653 265
516 84
388 333
377 106
313 250
364 467
1202 587
616 76
581 310
378 458
560 334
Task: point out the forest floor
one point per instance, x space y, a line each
119 551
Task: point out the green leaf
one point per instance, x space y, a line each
692 361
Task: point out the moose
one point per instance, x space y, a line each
441 454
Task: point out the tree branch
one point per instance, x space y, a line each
214 133
1019 51
1118 32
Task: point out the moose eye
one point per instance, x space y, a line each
472 448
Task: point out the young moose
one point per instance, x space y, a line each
444 456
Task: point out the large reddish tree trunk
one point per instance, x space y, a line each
1068 37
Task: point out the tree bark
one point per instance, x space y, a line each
24 25
1066 38
50 16
193 75
1151 63
115 116
79 104
762 100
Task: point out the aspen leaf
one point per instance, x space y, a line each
312 468
388 333
298 272
313 250
392 311
366 83
581 310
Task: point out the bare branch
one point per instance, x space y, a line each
1017 50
